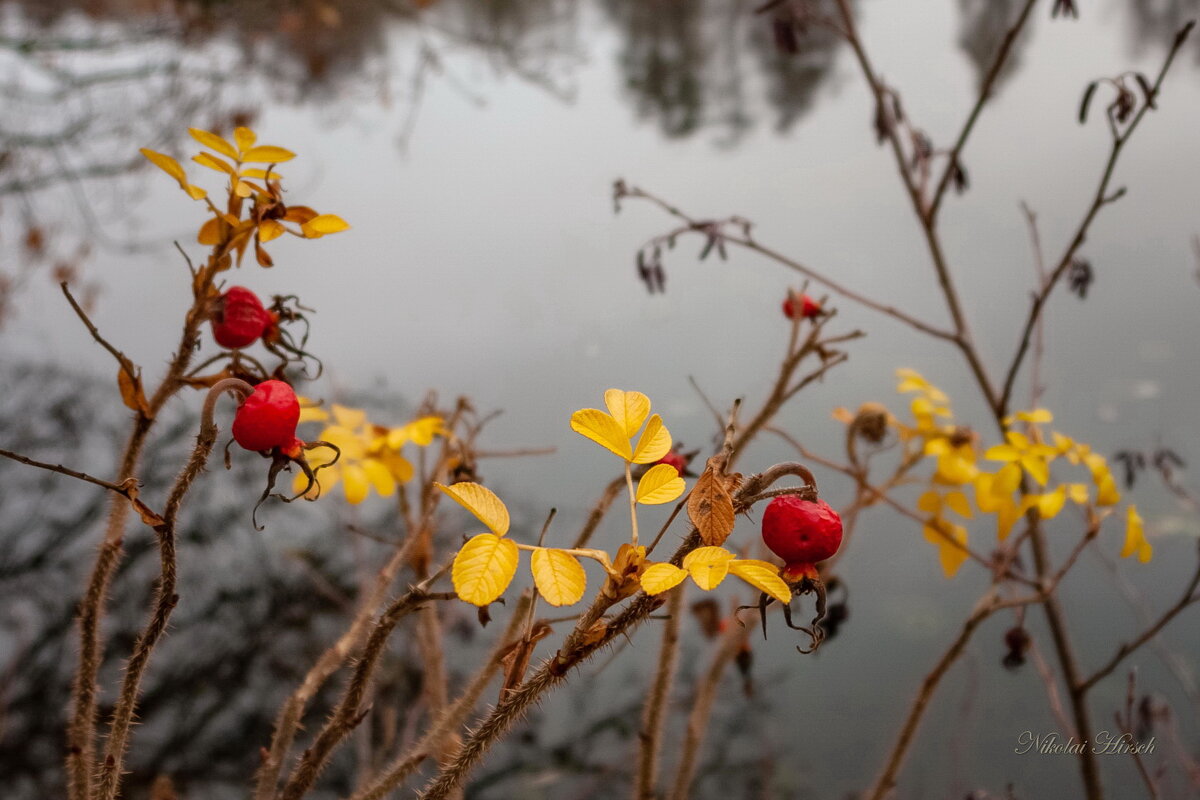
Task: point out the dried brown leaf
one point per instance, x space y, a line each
710 505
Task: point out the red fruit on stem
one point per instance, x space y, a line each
802 533
240 319
809 308
268 418
675 459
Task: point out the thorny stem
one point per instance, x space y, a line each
588 637
408 762
349 711
80 760
654 711
329 662
165 596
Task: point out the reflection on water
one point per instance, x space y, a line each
501 214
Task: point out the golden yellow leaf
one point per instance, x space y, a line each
243 189
654 444
482 502
659 578
660 484
710 507
210 232
262 174
483 568
1135 537
267 154
763 576
323 224
166 164
602 429
951 542
559 576
244 137
629 409
212 162
270 229
708 566
355 483
214 142
195 192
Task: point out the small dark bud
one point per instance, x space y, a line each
1017 641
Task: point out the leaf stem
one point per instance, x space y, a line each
632 504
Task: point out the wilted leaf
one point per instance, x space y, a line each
559 576
210 232
660 484
710 507
659 578
482 502
629 409
484 567
763 576
602 429
708 566
654 443
132 394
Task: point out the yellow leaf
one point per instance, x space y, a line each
1050 503
354 483
267 154
1135 537
243 189
762 576
654 444
659 578
379 476
244 137
212 162
262 174
1037 468
322 224
602 429
951 542
559 576
930 502
166 164
484 567
708 566
482 502
660 484
269 229
210 232
1002 452
629 409
214 142
1078 493
958 502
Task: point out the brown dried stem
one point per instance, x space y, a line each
349 711
654 710
165 596
706 694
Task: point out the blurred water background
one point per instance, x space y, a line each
473 145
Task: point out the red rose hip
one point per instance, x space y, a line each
802 533
674 459
240 319
808 308
268 418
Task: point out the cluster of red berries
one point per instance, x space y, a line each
239 319
801 306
